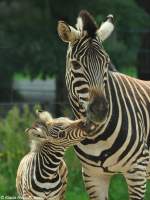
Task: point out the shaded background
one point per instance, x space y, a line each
32 68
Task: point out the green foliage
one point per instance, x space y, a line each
14 145
131 71
30 43
130 21
76 186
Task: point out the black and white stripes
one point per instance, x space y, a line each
122 143
42 173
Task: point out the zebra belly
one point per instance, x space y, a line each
98 160
92 161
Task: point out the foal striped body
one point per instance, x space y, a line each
122 142
42 173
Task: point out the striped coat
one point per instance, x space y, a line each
42 173
120 142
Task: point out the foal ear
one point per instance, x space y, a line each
66 32
86 22
44 115
106 28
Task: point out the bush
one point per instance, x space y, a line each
14 145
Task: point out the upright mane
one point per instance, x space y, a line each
86 22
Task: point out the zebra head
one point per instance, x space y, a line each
61 131
87 62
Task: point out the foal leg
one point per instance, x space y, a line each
63 173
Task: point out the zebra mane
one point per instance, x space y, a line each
85 22
112 67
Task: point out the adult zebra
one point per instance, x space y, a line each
121 141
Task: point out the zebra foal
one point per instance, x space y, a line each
120 143
42 173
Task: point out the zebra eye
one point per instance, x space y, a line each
39 136
62 134
76 65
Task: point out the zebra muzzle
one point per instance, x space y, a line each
88 126
97 109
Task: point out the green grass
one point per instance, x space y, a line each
75 188
14 145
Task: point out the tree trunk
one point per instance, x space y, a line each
144 58
61 95
144 53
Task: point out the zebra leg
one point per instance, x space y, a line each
136 180
96 186
148 171
62 196
63 171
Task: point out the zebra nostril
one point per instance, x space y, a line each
92 108
103 107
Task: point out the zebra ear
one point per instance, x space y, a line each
106 28
85 22
67 33
44 115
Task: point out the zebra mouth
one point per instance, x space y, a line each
34 132
29 130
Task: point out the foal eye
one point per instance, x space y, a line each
39 136
62 134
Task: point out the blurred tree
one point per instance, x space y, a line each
29 42
144 54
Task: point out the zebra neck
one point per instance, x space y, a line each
110 96
107 91
35 146
49 155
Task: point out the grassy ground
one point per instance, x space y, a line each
14 145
